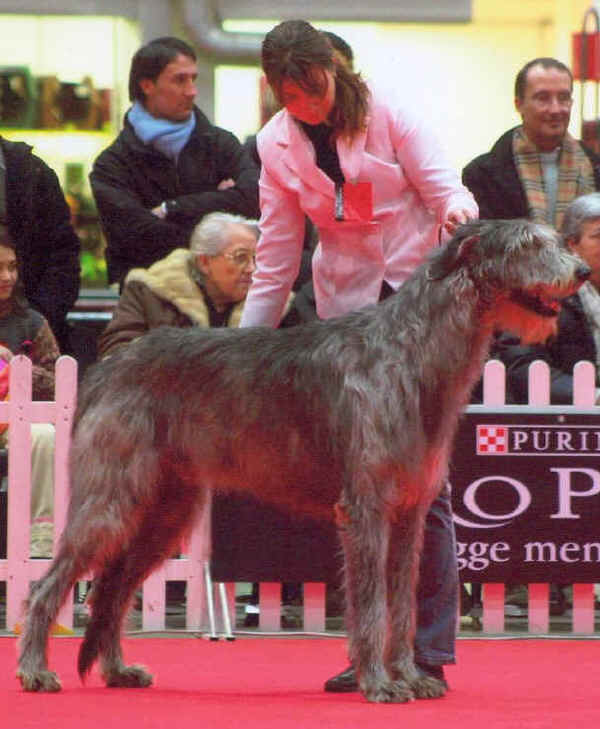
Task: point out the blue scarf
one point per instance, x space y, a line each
166 136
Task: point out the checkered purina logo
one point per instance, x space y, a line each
492 440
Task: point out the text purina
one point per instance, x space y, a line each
559 440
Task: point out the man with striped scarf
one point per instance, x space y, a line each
536 169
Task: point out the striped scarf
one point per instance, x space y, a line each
575 176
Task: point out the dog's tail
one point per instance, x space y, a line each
108 602
88 653
100 624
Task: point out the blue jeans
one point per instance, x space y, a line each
437 594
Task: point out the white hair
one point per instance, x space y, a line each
577 212
211 236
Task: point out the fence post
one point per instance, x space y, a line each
494 383
269 602
539 383
19 489
66 398
584 385
538 593
539 607
583 608
493 607
314 607
494 395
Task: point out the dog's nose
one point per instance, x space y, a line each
583 272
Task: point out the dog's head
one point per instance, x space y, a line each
520 270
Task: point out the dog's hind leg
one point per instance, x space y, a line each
157 539
92 535
406 540
109 600
45 599
364 535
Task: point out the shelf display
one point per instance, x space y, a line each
18 104
27 102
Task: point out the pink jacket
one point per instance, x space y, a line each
414 189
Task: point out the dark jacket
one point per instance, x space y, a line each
130 178
573 343
26 331
494 181
39 222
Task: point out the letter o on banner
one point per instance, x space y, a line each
470 498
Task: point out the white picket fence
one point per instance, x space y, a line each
494 398
17 570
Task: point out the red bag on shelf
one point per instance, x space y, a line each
586 50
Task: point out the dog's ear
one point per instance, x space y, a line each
451 257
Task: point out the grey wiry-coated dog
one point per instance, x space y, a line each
356 413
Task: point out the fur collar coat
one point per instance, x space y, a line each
166 294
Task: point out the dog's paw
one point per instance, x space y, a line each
129 677
427 687
388 692
41 681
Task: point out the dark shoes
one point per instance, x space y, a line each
345 682
434 672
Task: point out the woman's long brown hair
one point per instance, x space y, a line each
17 302
294 50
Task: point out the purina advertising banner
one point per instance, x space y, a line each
526 498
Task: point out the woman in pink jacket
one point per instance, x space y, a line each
376 185
370 176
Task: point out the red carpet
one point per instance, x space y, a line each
276 682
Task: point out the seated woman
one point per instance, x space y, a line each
578 336
204 286
25 331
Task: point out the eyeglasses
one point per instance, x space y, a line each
241 258
545 99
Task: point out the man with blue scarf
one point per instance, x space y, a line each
169 166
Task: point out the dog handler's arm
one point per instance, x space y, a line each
426 165
278 254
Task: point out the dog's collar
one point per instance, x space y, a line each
532 303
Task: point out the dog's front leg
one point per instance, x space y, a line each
406 538
364 533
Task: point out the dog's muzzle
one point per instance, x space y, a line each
548 306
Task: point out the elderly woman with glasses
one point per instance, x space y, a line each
204 286
578 334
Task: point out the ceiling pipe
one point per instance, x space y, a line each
203 25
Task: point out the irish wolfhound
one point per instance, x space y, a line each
354 415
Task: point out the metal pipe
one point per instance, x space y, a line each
203 25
